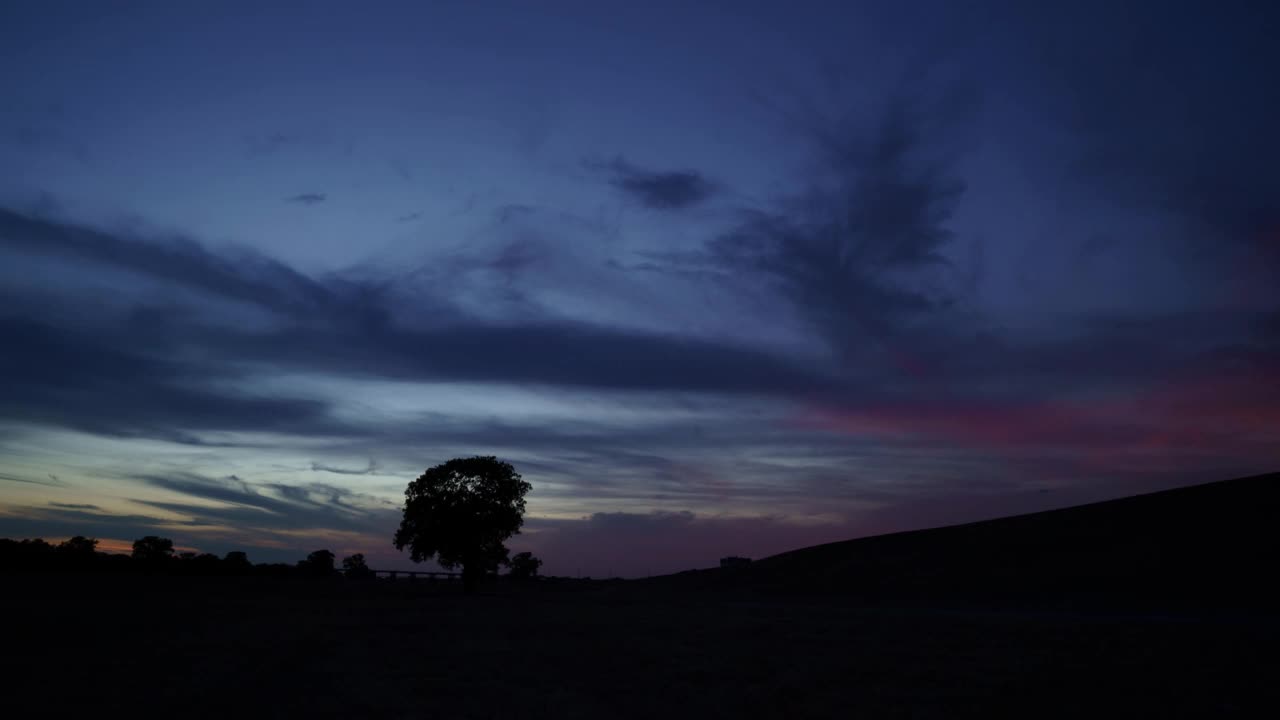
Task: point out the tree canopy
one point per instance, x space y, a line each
79 545
318 563
461 512
524 566
355 568
152 549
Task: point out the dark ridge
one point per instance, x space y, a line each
1203 547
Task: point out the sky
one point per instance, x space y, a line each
718 278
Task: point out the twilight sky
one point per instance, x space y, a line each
717 277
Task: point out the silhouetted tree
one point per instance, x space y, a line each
318 564
236 563
524 566
79 545
460 512
37 546
205 564
354 567
27 555
276 570
152 549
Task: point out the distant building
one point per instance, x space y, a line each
734 561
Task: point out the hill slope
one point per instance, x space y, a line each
1206 546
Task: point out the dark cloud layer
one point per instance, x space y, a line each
669 190
855 251
128 391
137 384
247 277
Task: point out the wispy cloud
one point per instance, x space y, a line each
307 198
658 190
371 468
271 507
51 482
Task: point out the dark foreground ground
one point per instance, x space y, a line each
138 646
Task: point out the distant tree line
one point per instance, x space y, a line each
154 554
458 513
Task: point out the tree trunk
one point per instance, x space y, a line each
471 574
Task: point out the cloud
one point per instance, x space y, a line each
243 275
271 507
128 391
863 255
31 521
74 506
345 326
861 252
321 467
307 199
172 372
51 482
670 190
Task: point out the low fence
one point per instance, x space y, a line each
413 575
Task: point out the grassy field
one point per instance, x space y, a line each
136 645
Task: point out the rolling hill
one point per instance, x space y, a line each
1211 546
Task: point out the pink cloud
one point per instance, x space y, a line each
1228 414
